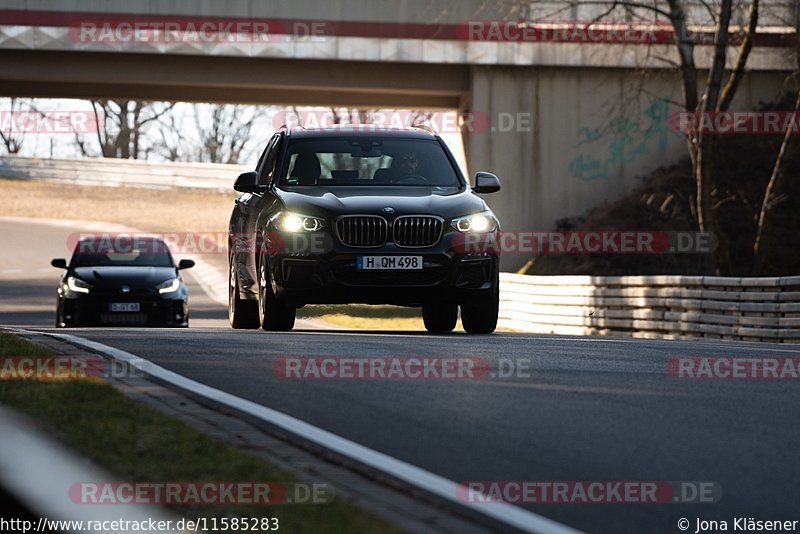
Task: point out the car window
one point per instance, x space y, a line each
267 170
262 158
123 252
361 161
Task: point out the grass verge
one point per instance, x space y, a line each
134 442
366 317
11 345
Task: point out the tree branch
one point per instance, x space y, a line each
685 45
714 82
729 91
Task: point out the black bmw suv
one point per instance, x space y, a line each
362 215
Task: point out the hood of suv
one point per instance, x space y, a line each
445 202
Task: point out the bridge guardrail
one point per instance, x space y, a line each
670 307
123 172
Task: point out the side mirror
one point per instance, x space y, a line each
59 263
486 182
185 264
247 182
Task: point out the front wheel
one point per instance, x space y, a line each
242 314
440 317
482 318
273 315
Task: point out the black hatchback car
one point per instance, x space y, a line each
362 215
121 280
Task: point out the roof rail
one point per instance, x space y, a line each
287 127
424 127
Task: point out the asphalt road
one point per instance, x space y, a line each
588 409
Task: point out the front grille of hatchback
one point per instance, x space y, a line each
123 318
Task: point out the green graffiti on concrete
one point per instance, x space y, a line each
625 141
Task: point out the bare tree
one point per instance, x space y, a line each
13 139
173 145
225 135
121 128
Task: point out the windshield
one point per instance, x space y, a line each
367 161
122 252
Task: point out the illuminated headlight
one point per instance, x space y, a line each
480 222
292 222
77 285
170 286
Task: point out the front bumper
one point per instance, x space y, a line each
329 275
94 310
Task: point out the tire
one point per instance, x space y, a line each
440 316
61 321
273 315
482 319
242 314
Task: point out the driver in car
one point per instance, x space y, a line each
406 165
403 168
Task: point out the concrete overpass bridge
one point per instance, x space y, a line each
572 120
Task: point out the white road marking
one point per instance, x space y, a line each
512 516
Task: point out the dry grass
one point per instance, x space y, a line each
366 317
193 210
188 210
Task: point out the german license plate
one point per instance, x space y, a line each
123 307
390 263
